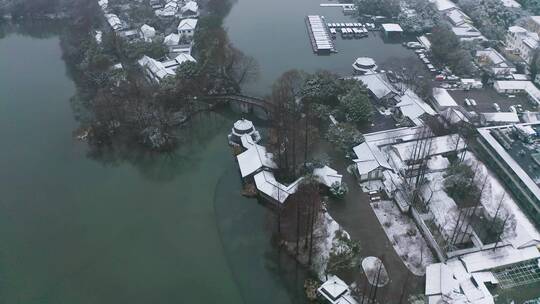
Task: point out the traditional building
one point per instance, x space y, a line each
186 27
522 42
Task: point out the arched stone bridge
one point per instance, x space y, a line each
246 103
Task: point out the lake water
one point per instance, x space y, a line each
125 228
275 34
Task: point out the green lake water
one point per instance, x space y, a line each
121 229
275 34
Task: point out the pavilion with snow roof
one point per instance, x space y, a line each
335 291
392 30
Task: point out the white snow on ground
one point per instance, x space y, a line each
413 250
372 185
371 265
520 230
327 230
443 208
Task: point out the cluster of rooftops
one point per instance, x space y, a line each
178 42
257 164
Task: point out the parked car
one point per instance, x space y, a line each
496 107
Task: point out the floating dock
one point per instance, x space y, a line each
320 37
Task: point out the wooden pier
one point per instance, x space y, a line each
319 35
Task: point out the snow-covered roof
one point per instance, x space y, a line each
495 57
157 69
437 146
527 130
187 24
443 5
517 29
528 116
466 31
455 285
247 141
172 39
412 106
377 84
327 176
500 117
103 4
182 57
190 6
457 17
536 19
148 32
254 159
335 291
243 125
169 10
98 36
511 84
512 164
439 279
267 184
454 115
511 4
518 85
114 21
369 158
531 40
392 136
523 77
500 257
392 27
365 61
443 98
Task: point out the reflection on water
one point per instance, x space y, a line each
121 225
275 34
264 273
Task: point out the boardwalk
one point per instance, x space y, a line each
321 41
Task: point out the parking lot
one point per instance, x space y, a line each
485 98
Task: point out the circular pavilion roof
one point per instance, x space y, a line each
243 125
365 62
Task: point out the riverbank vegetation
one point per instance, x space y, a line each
115 104
305 106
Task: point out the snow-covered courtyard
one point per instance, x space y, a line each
404 236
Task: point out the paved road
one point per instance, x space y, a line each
356 216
